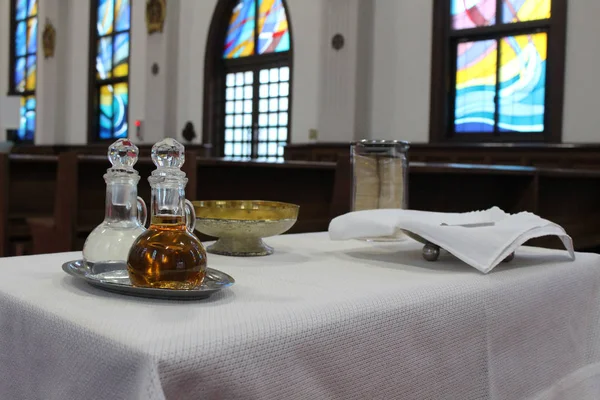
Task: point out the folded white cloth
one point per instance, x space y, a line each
492 236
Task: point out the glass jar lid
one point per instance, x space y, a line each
123 155
398 144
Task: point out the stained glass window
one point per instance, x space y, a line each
499 50
473 13
273 32
111 39
24 65
525 10
257 80
476 13
522 86
257 27
476 86
241 33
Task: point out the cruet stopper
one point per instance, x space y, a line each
169 156
123 155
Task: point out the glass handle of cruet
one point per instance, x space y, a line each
142 211
190 216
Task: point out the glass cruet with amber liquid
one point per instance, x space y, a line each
125 212
168 255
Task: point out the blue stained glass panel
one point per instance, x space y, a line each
113 117
273 29
522 83
32 8
31 73
284 43
31 62
121 57
30 103
32 35
121 48
104 58
120 101
123 13
23 120
525 10
112 61
105 132
27 125
21 39
30 124
106 111
25 64
105 17
21 10
19 74
240 35
475 105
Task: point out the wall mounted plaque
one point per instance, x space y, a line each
49 39
156 12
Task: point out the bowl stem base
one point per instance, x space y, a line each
240 247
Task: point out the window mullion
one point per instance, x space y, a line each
256 9
112 70
98 112
499 11
452 54
497 89
499 22
255 111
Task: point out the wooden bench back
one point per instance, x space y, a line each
82 194
28 186
308 184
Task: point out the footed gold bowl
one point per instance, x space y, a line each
241 225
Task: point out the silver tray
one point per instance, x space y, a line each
113 277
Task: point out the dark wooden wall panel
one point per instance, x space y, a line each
322 189
583 156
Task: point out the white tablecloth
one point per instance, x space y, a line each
317 320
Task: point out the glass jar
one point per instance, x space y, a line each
168 255
125 212
379 174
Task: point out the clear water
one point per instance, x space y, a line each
110 243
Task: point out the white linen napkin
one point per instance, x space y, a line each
495 235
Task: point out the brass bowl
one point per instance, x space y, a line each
241 225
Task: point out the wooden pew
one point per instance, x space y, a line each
467 187
569 197
28 185
322 189
308 184
80 200
544 155
96 149
81 192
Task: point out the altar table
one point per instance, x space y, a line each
316 320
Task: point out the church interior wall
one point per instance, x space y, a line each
335 92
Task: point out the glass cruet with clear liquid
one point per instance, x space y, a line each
125 212
168 255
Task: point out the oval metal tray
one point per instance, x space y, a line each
113 277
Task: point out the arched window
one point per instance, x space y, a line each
23 57
109 69
248 79
498 70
